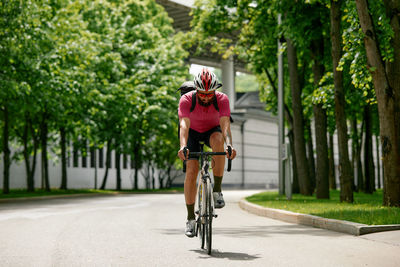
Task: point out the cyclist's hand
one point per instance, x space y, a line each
181 155
233 154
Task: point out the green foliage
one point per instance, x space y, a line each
102 70
354 53
246 83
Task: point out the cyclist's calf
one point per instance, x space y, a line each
192 169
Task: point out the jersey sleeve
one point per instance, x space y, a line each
223 104
184 106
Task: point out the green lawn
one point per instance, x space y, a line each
19 193
366 209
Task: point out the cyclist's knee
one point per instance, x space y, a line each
217 140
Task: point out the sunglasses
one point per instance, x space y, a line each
206 95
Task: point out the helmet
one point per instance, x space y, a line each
206 81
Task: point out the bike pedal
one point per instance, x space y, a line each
197 212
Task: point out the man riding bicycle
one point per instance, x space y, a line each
204 124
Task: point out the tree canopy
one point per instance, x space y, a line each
90 73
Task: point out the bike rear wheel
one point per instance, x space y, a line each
209 216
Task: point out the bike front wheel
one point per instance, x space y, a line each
209 216
200 218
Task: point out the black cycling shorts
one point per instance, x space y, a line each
195 138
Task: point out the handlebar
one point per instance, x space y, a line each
208 154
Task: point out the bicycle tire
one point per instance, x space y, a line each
200 222
209 213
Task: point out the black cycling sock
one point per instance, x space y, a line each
190 211
217 183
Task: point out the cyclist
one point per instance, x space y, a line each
204 123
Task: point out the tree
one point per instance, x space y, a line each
139 38
298 121
84 70
256 25
345 173
385 74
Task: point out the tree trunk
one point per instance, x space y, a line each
30 170
45 162
369 169
353 157
378 159
322 168
298 122
162 176
345 172
310 156
108 163
95 166
146 175
153 179
29 182
6 153
332 174
63 144
118 167
357 140
137 159
169 178
393 67
295 183
322 179
387 95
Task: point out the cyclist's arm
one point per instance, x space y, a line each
225 124
184 131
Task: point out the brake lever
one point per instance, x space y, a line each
184 162
229 160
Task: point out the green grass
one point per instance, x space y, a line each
20 193
366 209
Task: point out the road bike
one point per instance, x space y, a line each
205 201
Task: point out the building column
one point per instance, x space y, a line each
228 81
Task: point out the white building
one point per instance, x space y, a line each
255 138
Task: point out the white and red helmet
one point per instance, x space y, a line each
206 81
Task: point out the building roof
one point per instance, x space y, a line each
249 100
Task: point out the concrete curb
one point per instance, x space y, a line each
20 199
315 221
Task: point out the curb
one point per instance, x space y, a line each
315 221
20 199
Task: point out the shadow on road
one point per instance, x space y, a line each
261 231
270 230
236 256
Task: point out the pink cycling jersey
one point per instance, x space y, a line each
202 118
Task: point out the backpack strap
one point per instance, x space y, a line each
215 103
193 101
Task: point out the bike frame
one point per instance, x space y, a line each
202 187
205 199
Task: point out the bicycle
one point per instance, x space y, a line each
205 200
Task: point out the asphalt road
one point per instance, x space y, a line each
148 230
